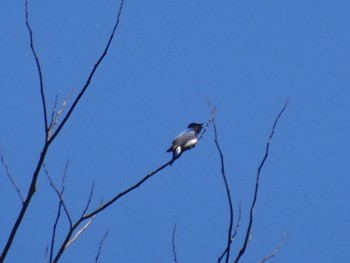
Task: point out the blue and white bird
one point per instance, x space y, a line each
185 140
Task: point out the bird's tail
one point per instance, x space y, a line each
174 158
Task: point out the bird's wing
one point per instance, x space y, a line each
184 137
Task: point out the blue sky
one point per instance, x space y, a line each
247 57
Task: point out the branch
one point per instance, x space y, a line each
173 243
53 238
89 200
10 177
249 229
229 233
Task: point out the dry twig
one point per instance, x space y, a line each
173 244
276 249
11 178
257 181
100 247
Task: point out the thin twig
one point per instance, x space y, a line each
11 178
211 119
227 188
65 172
59 194
54 229
89 201
53 114
266 258
249 229
38 68
173 244
100 247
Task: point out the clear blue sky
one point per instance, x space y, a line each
247 57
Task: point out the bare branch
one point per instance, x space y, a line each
121 194
64 176
211 119
38 68
266 258
100 247
11 178
227 188
89 201
53 237
249 229
173 244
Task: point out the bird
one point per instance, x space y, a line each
185 140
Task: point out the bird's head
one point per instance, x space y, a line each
195 126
